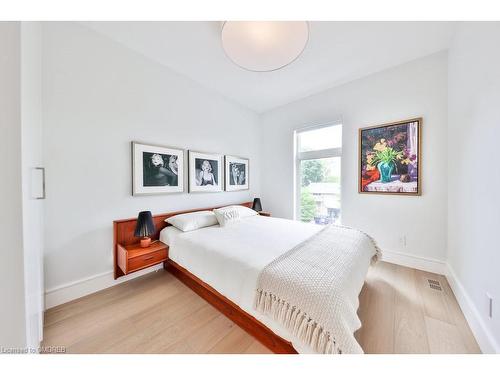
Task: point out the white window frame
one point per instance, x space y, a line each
310 155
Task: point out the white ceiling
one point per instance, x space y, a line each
337 52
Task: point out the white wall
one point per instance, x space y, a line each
415 89
474 176
31 123
12 319
98 96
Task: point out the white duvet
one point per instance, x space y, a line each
231 258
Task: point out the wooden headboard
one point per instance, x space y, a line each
123 230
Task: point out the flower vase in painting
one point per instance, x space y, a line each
390 155
385 170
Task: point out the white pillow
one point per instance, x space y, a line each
193 220
243 211
231 214
227 216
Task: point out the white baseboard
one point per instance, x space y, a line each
483 336
79 288
413 261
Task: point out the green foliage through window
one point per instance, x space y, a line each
307 206
312 171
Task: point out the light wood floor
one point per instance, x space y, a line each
158 314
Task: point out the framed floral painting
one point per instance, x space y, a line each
390 158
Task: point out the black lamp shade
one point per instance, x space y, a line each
257 206
145 226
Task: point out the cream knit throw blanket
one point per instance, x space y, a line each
312 290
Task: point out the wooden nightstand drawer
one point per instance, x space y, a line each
146 260
131 258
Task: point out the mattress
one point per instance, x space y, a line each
231 258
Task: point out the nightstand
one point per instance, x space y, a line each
262 213
133 258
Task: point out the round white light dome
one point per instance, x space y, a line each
263 46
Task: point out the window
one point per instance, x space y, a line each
318 153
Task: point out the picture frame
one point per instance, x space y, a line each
157 169
390 158
236 173
205 172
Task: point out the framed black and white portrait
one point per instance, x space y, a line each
205 172
236 173
157 169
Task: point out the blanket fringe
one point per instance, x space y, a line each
302 326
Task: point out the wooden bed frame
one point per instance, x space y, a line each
124 235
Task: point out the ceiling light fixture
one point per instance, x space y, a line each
264 46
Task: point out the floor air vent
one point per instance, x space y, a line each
433 284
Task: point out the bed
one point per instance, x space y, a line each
223 265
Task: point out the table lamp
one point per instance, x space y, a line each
144 228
